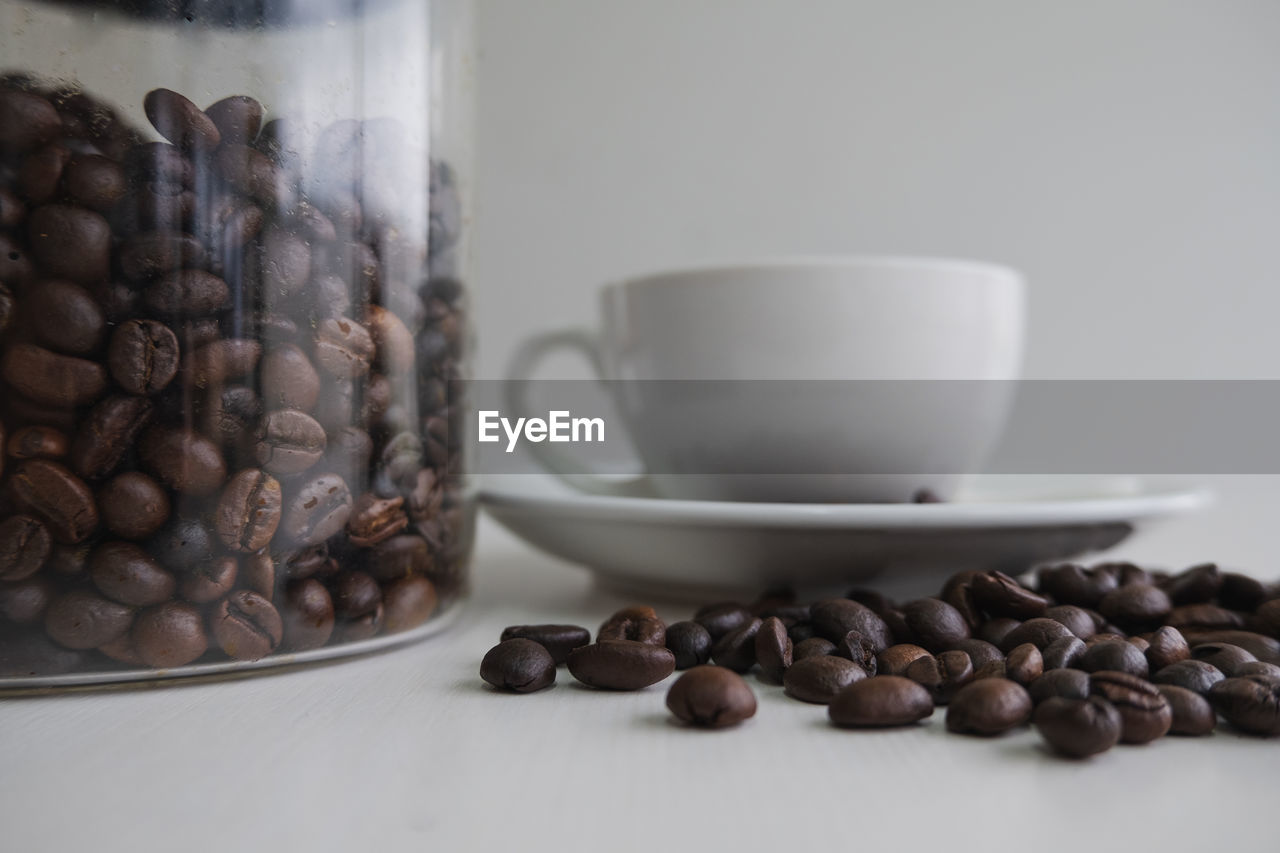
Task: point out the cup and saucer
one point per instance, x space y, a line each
807 422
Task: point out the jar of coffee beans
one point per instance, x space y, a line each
233 330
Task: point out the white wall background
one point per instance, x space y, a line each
1124 153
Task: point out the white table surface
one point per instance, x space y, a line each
409 750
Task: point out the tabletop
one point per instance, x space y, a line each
407 748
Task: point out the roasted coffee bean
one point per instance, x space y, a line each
1067 683
935 624
560 640
79 619
125 573
1024 664
37 442
159 161
1136 606
1140 643
736 649
180 121
24 547
1257 667
1063 653
64 317
246 626
812 647
12 210
1116 655
722 617
408 602
1192 713
238 119
621 664
258 574
288 379
943 675
25 602
518 665
145 255
231 415
1078 728
343 348
836 617
980 652
1250 703
52 379
895 659
183 459
995 631
1223 656
690 642
1203 617
1106 637
289 442
94 181
800 631
1241 592
819 679
211 580
634 623
1195 675
316 510
285 260
1166 646
248 511
26 121
360 628
882 701
711 697
57 497
356 594
1040 632
183 545
133 506
876 600
399 556
29 654
1196 584
375 520
860 650
186 293
991 669
70 243
68 560
1259 645
988 707
306 615
773 649
108 433
393 340
169 635
41 173
1000 595
1076 619
1144 712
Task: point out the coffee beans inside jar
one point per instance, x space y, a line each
227 358
998 654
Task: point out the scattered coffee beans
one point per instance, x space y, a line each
690 643
1077 727
819 679
621 664
519 665
988 706
879 702
711 697
559 640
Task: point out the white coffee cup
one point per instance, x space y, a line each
859 318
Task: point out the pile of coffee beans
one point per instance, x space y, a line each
226 361
1091 657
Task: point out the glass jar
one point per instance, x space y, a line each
233 330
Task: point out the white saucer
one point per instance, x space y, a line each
692 548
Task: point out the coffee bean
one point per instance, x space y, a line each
24 547
811 647
935 624
518 665
70 243
1196 584
25 602
1024 664
1192 713
17 267
1224 656
1241 592
58 497
634 623
897 658
258 574
64 317
773 649
289 442
1076 619
183 459
285 262
943 675
980 652
722 617
1067 683
1260 646
1116 655
375 520
186 293
61 381
560 640
1196 676
79 619
248 511
12 210
306 615
1000 595
41 173
1063 652
125 573
288 379
238 119
737 649
1078 728
37 442
183 545
108 433
393 340
343 348
621 664
1257 667
886 700
860 650
169 635
399 556
1041 632
94 181
133 506
144 255
1144 712
180 121
690 642
991 669
995 631
1198 617
988 707
210 580
1136 606
316 510
819 679
711 697
1250 703
246 626
26 121
409 603
836 617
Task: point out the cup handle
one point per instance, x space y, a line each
519 373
